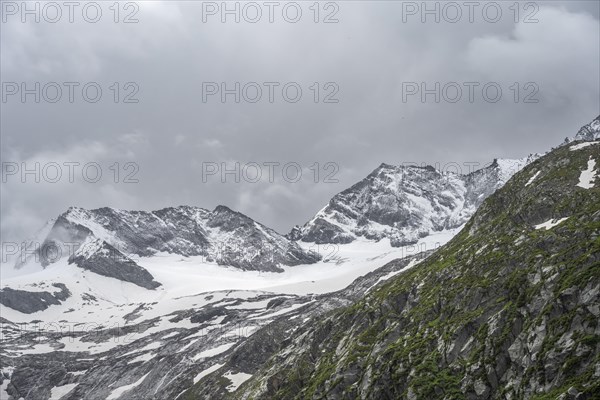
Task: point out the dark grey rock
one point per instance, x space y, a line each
31 302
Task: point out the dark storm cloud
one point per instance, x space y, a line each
370 54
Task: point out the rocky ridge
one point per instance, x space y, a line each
406 203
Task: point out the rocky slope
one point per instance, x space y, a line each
507 309
405 203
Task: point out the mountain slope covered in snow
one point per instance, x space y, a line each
405 203
222 236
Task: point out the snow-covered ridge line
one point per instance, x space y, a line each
404 203
223 236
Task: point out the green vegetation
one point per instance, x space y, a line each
499 309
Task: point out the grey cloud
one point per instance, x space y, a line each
170 133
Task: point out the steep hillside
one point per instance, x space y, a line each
507 309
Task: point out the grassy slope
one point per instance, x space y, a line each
501 310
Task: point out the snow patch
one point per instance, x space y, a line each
142 358
151 346
206 372
58 392
213 352
3 387
393 273
582 145
236 380
283 310
168 335
122 389
588 176
551 223
38 349
530 181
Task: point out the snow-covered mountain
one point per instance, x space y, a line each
588 132
189 303
406 203
108 241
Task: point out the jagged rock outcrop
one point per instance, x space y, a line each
97 256
405 203
589 132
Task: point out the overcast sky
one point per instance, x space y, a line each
370 61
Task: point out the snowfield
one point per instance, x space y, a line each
187 283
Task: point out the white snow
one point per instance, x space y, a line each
236 380
115 394
588 176
509 167
530 181
168 335
551 223
184 348
75 344
214 351
393 273
3 392
143 358
151 346
283 311
187 283
37 349
58 392
583 145
207 371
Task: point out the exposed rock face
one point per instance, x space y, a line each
507 309
589 132
29 302
101 258
222 236
405 203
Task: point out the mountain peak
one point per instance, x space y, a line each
589 132
184 230
405 203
